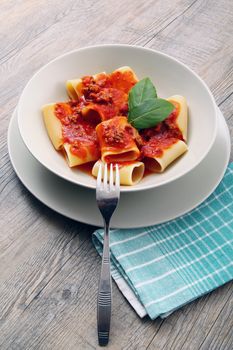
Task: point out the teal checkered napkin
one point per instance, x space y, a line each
163 267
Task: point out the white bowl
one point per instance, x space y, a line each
168 75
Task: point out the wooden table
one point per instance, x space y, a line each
49 269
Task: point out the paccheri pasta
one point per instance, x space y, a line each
100 122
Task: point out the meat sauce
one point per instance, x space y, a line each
107 96
117 134
156 146
109 93
162 136
76 131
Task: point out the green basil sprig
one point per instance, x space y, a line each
143 90
145 108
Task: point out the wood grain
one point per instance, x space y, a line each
48 267
203 50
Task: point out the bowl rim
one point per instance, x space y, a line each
129 46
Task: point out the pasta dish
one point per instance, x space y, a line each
115 118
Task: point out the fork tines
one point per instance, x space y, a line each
109 181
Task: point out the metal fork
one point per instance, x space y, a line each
107 196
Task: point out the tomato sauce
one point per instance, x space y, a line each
76 131
115 103
123 81
109 93
156 146
116 133
171 120
162 136
87 167
105 97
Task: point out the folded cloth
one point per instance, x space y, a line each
163 267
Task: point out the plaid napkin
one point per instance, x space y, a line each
163 267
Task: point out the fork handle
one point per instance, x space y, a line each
104 301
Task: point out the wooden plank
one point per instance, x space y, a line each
117 27
188 327
43 44
221 336
40 16
201 38
227 109
48 266
63 314
41 245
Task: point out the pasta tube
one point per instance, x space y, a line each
82 154
130 173
158 163
116 138
53 125
181 120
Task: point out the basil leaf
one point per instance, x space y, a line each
150 112
141 91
